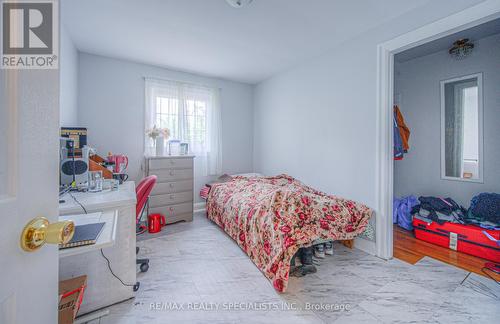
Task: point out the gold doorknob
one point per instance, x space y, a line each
39 231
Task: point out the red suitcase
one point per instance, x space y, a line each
469 239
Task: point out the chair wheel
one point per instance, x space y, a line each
137 285
144 267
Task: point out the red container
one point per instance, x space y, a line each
469 239
155 223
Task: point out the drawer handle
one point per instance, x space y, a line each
171 209
171 173
171 185
171 196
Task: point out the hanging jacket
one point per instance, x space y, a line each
404 131
398 143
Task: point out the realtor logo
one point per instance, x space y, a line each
29 34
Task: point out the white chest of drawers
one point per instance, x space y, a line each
173 194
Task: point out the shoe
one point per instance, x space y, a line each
295 272
296 259
306 256
329 248
319 251
302 270
308 268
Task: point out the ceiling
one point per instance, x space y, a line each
211 38
473 34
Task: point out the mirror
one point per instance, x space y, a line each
461 128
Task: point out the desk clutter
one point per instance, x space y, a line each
93 231
81 167
84 235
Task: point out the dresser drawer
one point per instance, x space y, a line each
169 187
172 175
170 199
174 211
171 163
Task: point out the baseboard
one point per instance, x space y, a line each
199 207
366 246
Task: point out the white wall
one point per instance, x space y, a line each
417 81
68 69
111 106
317 122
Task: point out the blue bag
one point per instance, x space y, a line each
401 212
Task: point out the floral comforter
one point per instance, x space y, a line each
272 217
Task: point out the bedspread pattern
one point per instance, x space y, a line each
272 217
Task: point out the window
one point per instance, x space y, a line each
167 115
191 113
189 124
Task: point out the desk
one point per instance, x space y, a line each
102 288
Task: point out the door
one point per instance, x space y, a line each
29 141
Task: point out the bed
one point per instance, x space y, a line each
270 218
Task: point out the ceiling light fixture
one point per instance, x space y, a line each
239 3
461 49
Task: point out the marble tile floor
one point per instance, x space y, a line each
199 275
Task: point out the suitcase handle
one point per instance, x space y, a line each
460 236
491 238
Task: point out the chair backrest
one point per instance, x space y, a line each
142 191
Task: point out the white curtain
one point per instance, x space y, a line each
214 127
192 113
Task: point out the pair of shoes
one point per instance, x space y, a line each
329 248
319 251
302 270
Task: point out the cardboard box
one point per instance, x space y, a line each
70 298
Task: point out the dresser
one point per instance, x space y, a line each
173 194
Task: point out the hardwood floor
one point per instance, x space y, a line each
411 250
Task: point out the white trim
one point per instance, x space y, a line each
189 83
479 77
384 154
91 316
473 16
199 207
365 245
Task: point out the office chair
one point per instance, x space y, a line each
143 190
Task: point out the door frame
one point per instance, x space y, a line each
468 18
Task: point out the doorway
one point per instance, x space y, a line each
477 15
442 91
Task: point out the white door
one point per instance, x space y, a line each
29 126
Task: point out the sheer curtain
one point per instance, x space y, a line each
453 131
193 115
